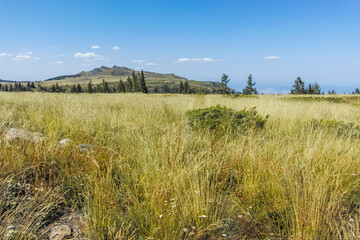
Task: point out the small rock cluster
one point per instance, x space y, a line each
17 134
59 232
21 134
69 226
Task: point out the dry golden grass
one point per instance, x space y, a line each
152 177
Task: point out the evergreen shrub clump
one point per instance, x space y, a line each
222 119
338 127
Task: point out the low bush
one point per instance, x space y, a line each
240 95
338 99
222 119
340 128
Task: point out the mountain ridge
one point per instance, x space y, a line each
156 82
113 71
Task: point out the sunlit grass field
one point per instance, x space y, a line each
153 177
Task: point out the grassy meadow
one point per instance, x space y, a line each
153 177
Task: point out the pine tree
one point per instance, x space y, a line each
316 88
186 87
120 87
166 88
32 85
135 83
309 90
223 89
250 89
129 85
89 87
73 89
78 88
105 87
143 86
181 87
298 87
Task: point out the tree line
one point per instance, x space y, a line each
18 87
136 83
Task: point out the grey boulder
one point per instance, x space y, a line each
21 134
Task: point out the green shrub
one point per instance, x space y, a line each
240 95
338 99
222 119
340 128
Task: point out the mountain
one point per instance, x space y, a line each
156 82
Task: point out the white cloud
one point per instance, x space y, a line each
89 56
95 47
86 55
59 62
271 57
151 64
183 60
116 48
5 54
205 59
22 57
137 61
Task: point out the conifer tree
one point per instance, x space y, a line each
143 86
316 88
89 87
309 90
223 89
73 89
129 85
250 89
166 88
78 88
105 87
135 83
120 87
187 87
32 85
181 87
298 87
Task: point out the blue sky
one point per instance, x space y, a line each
275 41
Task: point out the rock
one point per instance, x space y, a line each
85 147
75 222
64 142
21 134
59 232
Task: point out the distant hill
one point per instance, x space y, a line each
6 81
156 82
